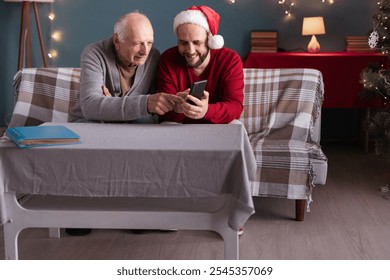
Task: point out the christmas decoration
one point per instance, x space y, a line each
379 127
205 17
288 5
376 81
373 39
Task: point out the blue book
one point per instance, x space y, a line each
31 136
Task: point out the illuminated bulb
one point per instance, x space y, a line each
52 16
56 35
52 54
232 1
287 6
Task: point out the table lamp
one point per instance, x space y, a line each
25 31
313 26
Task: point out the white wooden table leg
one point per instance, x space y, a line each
11 233
54 232
231 241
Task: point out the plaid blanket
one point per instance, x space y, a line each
44 95
280 109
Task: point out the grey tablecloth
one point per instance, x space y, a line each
122 160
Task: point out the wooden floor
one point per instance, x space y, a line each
349 219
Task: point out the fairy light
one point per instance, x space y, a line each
55 35
287 5
51 16
52 54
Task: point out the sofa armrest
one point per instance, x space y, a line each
276 98
44 95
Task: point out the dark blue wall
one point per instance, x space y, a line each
84 21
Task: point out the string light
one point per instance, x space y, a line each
287 5
52 54
55 35
51 16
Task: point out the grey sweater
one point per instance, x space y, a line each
98 68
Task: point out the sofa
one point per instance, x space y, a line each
282 116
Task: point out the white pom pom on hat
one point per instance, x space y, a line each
205 17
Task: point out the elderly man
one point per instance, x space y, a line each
118 76
117 82
200 55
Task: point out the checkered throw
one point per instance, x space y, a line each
280 109
44 95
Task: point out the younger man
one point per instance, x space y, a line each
200 55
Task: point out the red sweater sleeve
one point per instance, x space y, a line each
227 93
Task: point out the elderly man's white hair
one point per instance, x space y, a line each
120 24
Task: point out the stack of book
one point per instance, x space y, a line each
264 41
357 44
34 136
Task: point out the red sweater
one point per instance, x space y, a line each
225 84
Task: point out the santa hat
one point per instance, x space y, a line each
205 17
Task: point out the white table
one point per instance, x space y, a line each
131 176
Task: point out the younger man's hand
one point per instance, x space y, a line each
200 107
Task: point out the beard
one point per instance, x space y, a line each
202 58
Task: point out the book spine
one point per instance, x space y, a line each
14 135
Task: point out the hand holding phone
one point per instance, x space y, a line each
197 89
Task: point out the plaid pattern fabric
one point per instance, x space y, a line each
44 95
280 109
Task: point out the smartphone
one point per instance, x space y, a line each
197 89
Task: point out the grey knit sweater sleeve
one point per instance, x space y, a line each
98 68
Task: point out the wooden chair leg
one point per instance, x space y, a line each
300 205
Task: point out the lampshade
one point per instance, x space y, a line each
313 26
